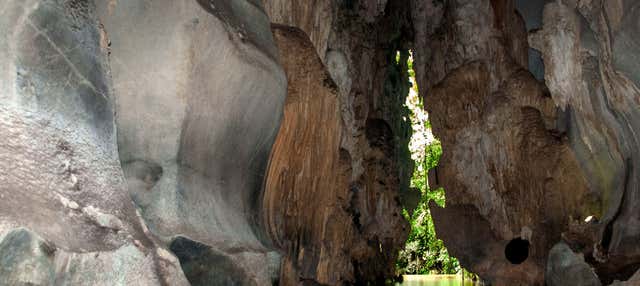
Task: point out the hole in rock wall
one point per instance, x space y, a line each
517 250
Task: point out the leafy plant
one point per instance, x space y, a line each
424 253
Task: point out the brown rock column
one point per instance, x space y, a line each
331 200
307 194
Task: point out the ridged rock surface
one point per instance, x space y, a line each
533 160
65 213
506 170
137 139
333 197
592 58
307 190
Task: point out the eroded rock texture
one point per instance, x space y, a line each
340 163
65 213
566 268
531 160
305 167
591 57
136 139
505 170
199 96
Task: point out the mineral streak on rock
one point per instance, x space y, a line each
135 139
307 194
332 201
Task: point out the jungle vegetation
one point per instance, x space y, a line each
423 253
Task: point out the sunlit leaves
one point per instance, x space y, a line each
424 252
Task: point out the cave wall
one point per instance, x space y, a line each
65 214
307 198
338 220
533 159
590 52
137 139
199 96
506 172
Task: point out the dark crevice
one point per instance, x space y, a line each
517 250
202 265
353 209
608 230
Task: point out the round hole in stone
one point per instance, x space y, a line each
517 250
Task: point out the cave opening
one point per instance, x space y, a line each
423 252
517 250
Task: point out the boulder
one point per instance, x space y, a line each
566 267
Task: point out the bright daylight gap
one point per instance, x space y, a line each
424 253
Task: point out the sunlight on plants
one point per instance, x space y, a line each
424 253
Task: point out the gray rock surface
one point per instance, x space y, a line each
198 92
591 52
65 214
135 137
199 97
27 259
58 154
565 267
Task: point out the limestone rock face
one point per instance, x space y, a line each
590 52
504 165
340 165
568 268
27 259
136 139
65 213
199 96
307 190
526 159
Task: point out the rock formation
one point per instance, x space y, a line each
65 214
199 96
590 52
247 142
528 160
305 167
505 167
566 268
335 206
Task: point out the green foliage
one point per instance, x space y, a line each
424 253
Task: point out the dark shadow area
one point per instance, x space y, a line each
517 250
205 266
